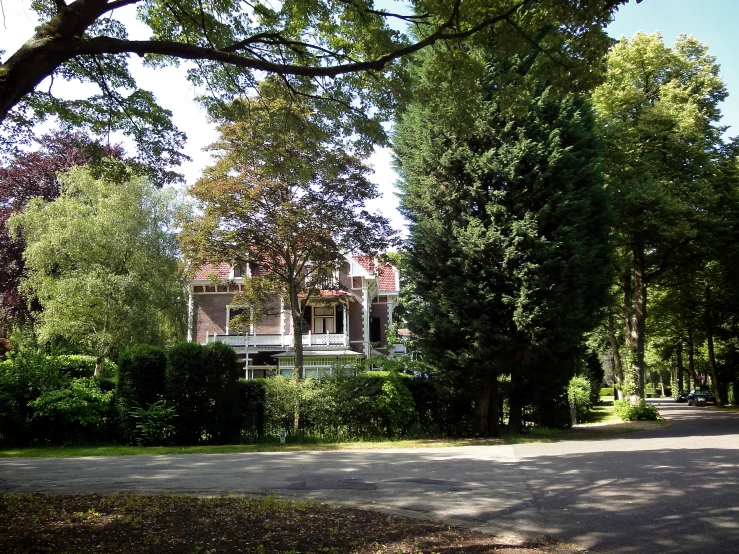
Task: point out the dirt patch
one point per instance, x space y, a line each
130 523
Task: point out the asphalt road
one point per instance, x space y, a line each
673 489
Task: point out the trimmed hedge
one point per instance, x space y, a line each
141 377
606 391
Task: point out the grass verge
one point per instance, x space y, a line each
604 423
128 523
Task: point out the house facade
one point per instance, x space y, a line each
341 325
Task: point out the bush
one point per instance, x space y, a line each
23 379
78 412
153 424
608 391
141 376
222 418
185 390
628 412
578 393
76 366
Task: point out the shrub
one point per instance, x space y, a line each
628 412
153 424
23 379
76 366
141 376
185 390
578 393
396 403
608 391
222 418
77 412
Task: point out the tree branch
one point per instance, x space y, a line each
106 45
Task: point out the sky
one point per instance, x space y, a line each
713 22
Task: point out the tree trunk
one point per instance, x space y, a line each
680 368
494 408
711 356
486 405
640 317
515 414
297 316
515 403
618 368
691 358
99 366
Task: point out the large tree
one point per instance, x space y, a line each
508 258
28 175
665 163
339 50
286 195
102 262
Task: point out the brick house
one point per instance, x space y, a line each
341 325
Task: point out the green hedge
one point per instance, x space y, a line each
607 391
339 407
78 366
141 377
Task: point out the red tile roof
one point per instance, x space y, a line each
208 272
387 277
367 262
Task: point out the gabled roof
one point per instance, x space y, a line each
386 277
367 262
208 272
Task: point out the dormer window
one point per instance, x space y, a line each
239 270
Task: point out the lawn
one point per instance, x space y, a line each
128 523
604 423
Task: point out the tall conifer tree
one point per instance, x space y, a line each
509 244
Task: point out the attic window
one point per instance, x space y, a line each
239 270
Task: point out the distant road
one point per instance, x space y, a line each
673 489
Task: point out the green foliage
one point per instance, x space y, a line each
23 378
154 425
288 192
77 412
509 253
396 402
185 390
578 393
102 264
669 174
629 412
342 406
141 379
345 57
222 416
74 365
608 391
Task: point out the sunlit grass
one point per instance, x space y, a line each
604 423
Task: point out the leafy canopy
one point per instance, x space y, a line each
345 56
102 263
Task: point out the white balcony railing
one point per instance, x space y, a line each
280 341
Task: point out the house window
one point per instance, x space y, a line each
238 326
324 319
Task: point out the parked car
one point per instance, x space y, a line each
682 396
701 397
